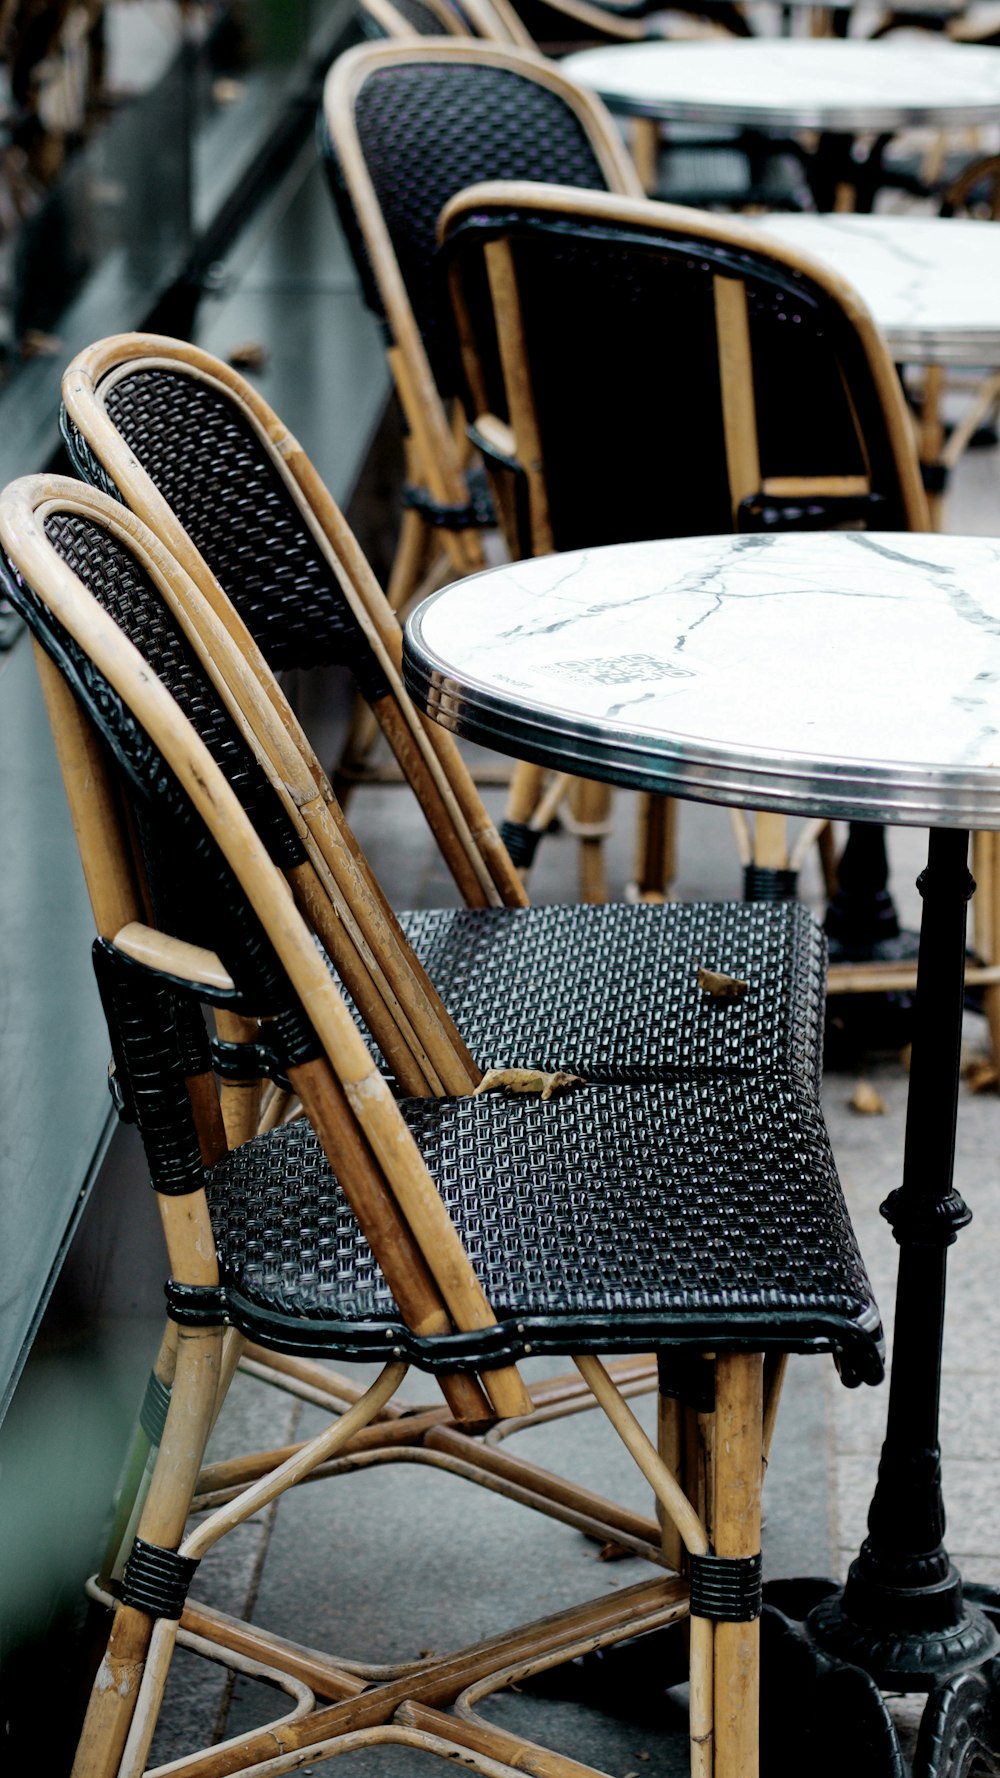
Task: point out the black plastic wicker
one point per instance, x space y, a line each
611 992
635 305
213 469
429 130
704 1212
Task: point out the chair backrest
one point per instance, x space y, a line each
124 740
975 191
206 674
659 371
410 18
192 448
407 126
494 21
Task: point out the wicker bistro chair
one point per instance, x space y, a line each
406 127
777 405
458 1232
609 992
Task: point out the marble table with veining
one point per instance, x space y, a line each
932 283
812 83
845 674
844 89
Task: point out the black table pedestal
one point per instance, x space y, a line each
903 1616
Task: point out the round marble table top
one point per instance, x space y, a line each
819 83
832 673
932 285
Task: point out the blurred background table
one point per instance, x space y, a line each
841 89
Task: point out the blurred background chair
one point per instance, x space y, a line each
726 386
407 126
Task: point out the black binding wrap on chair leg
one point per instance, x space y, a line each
157 1580
763 883
726 1588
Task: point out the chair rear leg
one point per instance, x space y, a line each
738 1465
656 847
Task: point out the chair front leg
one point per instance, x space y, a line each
161 1527
738 1466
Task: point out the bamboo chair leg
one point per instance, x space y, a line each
189 1420
240 1098
826 845
137 1469
645 144
738 1449
656 847
590 805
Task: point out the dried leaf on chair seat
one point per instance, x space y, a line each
721 987
866 1101
248 355
528 1080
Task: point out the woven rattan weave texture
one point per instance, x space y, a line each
123 590
610 992
213 470
691 1208
429 131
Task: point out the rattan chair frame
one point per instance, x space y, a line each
439 463
439 460
763 847
216 629
396 1200
227 649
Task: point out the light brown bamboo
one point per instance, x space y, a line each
670 1444
362 971
656 846
738 1437
509 323
496 1743
590 804
629 1611
203 1096
664 1485
739 414
775 1371
114 894
165 1510
770 841
240 1099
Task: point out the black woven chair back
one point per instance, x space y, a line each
192 891
423 19
427 130
622 349
216 473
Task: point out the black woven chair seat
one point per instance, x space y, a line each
610 992
704 1211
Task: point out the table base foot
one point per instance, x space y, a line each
820 1713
